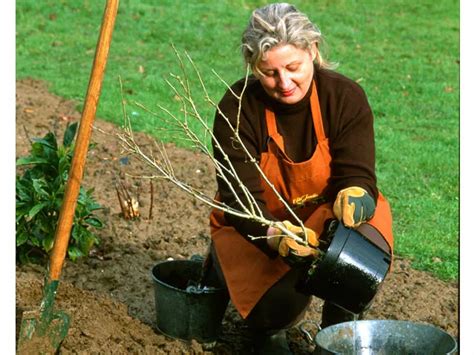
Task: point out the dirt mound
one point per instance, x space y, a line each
110 295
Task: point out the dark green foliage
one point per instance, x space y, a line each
39 196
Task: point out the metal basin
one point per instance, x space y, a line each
385 337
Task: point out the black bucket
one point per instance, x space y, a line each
350 272
183 310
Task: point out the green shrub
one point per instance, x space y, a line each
39 196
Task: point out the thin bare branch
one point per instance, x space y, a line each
179 123
150 211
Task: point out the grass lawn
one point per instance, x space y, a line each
405 54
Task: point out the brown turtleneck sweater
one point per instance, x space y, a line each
347 120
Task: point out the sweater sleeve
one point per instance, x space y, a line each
226 149
352 142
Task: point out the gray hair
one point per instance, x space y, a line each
276 24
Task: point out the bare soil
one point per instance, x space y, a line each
110 296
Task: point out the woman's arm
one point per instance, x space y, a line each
351 141
250 134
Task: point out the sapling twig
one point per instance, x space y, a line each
248 207
128 204
150 212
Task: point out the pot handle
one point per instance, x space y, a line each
309 338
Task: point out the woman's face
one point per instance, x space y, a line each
286 73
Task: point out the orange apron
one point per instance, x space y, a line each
248 271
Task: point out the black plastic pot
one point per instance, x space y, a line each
183 310
351 271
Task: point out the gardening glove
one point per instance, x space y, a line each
353 206
291 250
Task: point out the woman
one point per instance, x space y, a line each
311 131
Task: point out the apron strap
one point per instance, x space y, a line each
271 123
273 131
316 113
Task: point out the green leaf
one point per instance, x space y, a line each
46 148
69 134
23 192
74 252
48 141
48 242
87 241
36 238
38 185
30 160
94 221
21 238
19 216
34 211
64 164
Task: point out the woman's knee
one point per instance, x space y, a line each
281 307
